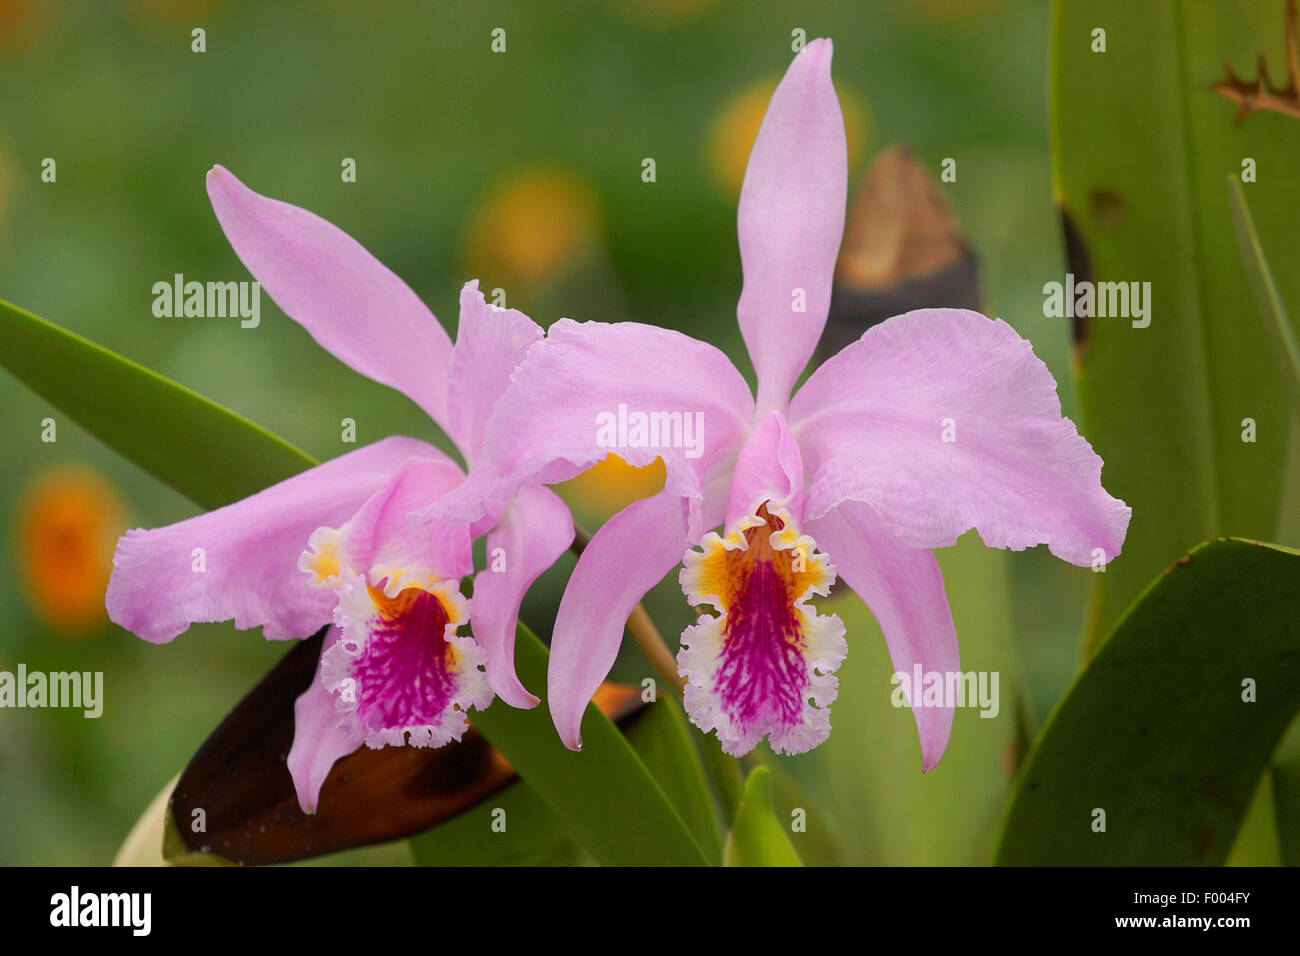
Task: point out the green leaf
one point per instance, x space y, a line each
1271 306
533 835
663 739
1141 145
204 451
604 795
757 837
1155 731
1286 806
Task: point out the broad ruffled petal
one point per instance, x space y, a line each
534 531
241 561
903 588
768 470
320 737
490 344
324 280
628 556
765 665
592 388
791 220
399 673
943 420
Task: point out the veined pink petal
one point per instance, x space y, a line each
320 737
241 561
628 556
943 420
592 388
903 588
350 302
534 531
791 220
490 344
768 470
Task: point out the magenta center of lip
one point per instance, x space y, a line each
406 673
762 672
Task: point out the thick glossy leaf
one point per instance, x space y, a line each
204 451
757 838
1141 145
1155 732
604 794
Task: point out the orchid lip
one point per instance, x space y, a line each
764 666
399 673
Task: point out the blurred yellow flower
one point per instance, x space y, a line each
735 127
530 224
67 523
610 486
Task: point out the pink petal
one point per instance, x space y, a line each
490 344
768 469
378 541
320 737
547 427
904 590
628 556
791 220
325 281
534 531
872 424
249 553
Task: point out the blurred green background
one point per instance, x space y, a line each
522 169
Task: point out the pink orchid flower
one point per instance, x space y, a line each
853 469
333 545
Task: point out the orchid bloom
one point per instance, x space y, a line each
333 545
934 422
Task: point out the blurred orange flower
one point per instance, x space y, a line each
68 520
529 225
